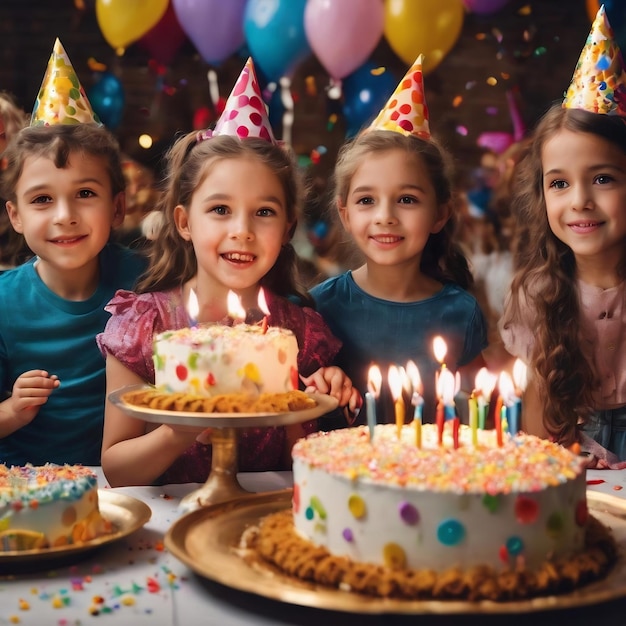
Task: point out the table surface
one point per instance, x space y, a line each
136 581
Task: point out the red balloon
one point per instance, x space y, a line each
165 39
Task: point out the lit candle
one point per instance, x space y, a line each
264 309
235 308
520 380
445 409
374 383
483 388
507 392
193 308
395 385
498 421
416 400
473 418
439 349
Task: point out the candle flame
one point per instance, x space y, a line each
505 387
235 309
262 302
446 387
520 375
440 348
374 380
485 382
193 308
414 376
395 382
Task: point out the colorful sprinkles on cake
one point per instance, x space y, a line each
522 464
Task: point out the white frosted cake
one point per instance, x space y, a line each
437 507
212 360
387 518
48 506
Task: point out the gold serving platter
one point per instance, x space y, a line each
127 515
207 541
325 404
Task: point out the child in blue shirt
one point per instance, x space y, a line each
394 194
65 193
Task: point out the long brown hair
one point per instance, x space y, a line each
443 258
545 280
172 259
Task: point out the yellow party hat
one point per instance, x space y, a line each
406 111
61 98
599 81
244 114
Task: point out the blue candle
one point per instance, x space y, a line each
370 406
513 415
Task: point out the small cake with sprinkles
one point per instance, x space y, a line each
49 506
216 359
473 521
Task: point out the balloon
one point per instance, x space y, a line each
124 21
107 99
429 27
165 39
365 93
343 33
484 7
274 31
616 13
497 141
214 26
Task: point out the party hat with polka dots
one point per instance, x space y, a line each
244 114
406 111
599 81
61 98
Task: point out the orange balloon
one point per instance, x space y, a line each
428 27
123 22
593 6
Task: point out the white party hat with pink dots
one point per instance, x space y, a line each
244 114
406 111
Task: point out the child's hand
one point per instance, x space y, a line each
334 382
30 391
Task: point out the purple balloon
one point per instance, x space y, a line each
484 7
496 141
215 27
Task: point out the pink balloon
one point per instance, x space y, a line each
343 33
496 141
484 7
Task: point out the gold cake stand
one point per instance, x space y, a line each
222 483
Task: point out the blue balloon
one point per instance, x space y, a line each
274 31
365 93
107 99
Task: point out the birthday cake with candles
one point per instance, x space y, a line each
49 506
227 369
375 513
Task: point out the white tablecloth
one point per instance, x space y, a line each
136 581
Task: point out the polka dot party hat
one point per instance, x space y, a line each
599 81
406 111
244 114
61 98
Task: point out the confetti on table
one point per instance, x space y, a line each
595 481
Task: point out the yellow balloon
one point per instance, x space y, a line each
124 21
428 27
